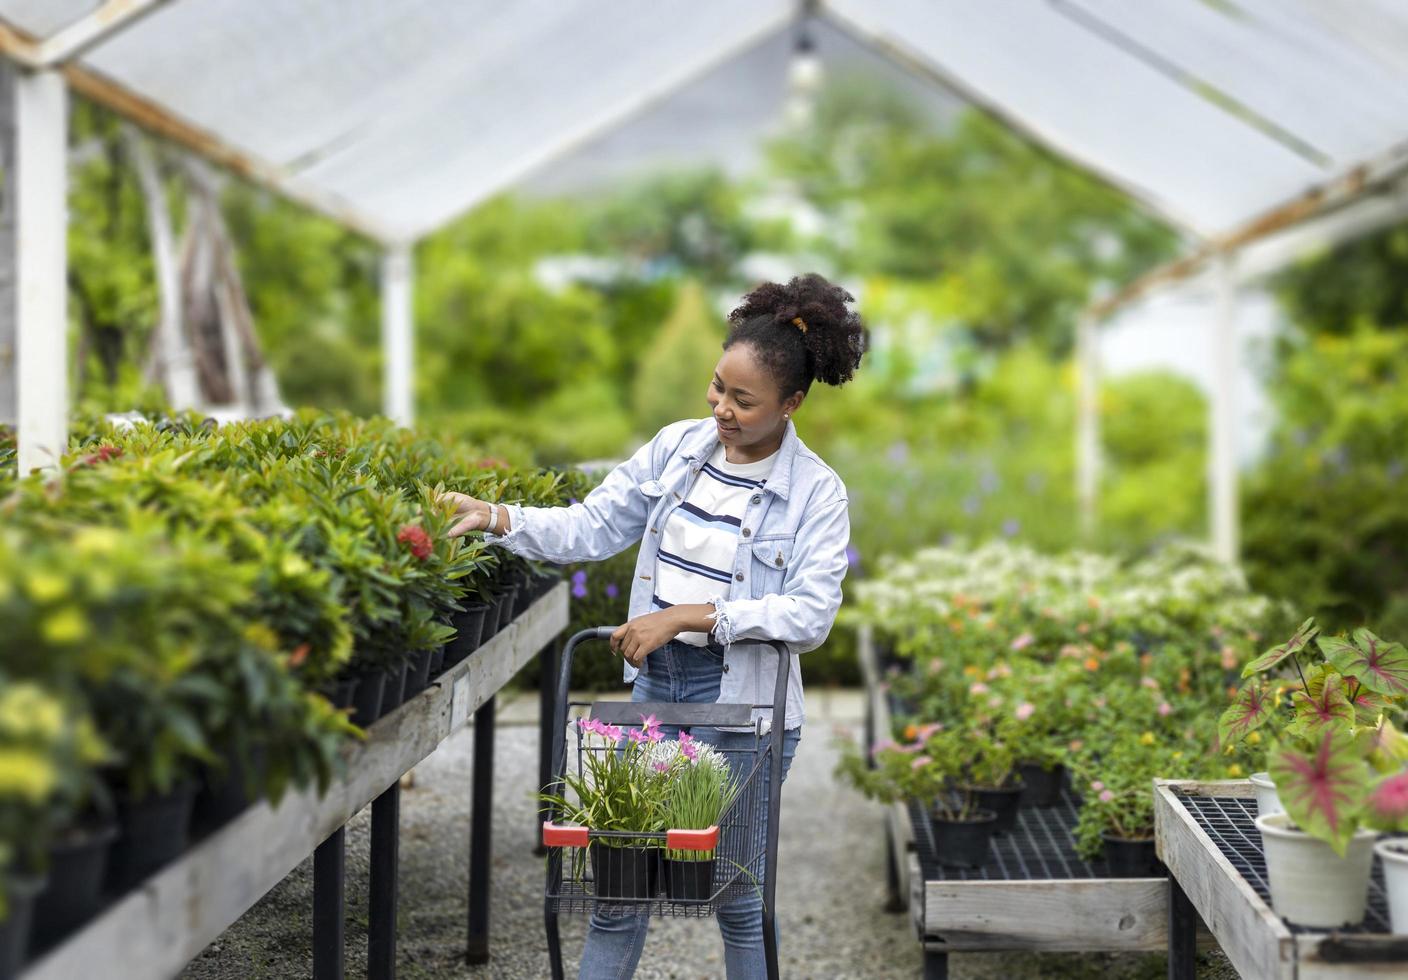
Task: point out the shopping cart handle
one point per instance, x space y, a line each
604 632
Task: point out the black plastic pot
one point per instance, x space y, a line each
340 691
437 663
1043 786
625 872
543 583
1002 801
225 791
366 704
963 843
469 627
417 673
1132 858
78 863
508 606
14 928
155 830
491 619
689 881
394 693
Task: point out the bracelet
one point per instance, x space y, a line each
493 519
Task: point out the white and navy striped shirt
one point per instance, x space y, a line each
700 541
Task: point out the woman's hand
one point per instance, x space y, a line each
473 513
640 636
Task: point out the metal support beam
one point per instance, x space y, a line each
1088 422
397 347
9 301
41 263
1182 934
480 838
329 914
547 697
1222 445
103 23
386 858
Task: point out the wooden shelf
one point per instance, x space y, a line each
157 928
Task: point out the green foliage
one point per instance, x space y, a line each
1358 283
672 376
1325 519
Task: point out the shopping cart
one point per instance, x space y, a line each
590 870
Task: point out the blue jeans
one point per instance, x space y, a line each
681 672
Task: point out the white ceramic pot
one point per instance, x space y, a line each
1311 885
1394 854
1266 799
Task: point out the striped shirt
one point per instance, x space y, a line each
700 540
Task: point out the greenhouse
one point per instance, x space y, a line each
352 453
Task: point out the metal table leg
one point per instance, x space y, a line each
385 860
1182 934
547 697
480 847
935 966
328 912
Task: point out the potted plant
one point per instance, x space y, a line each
989 774
618 795
1388 806
1336 754
939 773
701 790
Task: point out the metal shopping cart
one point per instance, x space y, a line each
592 870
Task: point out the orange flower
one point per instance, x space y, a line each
1092 663
910 732
299 654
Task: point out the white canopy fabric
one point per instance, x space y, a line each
404 113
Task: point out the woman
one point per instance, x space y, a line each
743 534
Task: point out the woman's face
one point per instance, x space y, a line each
748 409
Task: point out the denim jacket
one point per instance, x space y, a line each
787 572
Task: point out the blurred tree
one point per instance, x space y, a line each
1017 239
673 377
1358 282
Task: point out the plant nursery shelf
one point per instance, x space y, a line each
1035 893
1207 838
157 928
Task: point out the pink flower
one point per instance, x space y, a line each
1075 744
995 701
1106 796
1023 641
1149 682
1025 710
649 723
912 748
879 747
689 747
978 688
920 761
1096 786
925 732
420 544
661 767
1165 709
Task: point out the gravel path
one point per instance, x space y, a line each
830 887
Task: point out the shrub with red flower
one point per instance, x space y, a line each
414 535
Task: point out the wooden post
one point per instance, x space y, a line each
1087 422
41 264
1222 445
396 340
9 308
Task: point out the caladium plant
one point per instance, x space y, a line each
1324 790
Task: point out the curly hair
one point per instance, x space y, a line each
801 332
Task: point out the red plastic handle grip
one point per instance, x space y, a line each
692 840
563 835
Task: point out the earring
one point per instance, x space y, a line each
786 416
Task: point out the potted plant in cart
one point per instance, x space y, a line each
701 790
618 795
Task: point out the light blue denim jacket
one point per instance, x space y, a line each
787 572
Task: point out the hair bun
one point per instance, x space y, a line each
814 311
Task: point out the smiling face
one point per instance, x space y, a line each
748 408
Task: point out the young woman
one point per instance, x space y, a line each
742 533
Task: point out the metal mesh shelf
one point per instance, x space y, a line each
1042 847
1229 823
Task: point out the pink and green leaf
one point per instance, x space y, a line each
1388 802
1323 790
1323 707
1276 654
1377 664
1252 708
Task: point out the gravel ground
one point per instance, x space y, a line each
830 889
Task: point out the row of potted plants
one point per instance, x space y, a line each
1011 671
1323 710
211 614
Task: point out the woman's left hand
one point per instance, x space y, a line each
640 636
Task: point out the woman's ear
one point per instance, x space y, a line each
792 403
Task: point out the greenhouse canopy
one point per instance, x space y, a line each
1230 118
